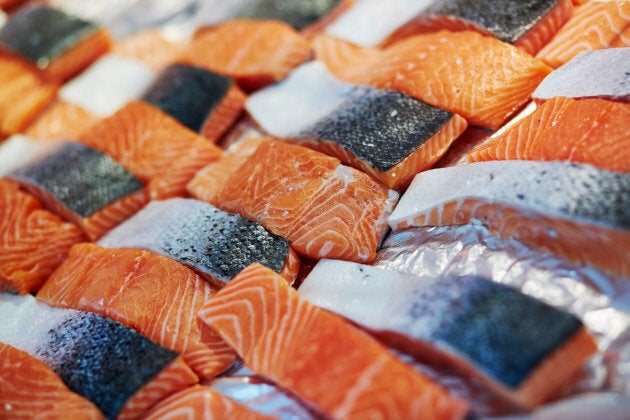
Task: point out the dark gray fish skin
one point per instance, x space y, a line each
382 127
505 332
297 13
217 244
508 20
80 178
188 93
102 360
41 33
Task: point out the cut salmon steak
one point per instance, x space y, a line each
337 369
34 240
480 78
594 26
122 372
574 211
529 354
130 286
76 182
527 25
593 131
31 389
153 146
384 133
255 53
323 208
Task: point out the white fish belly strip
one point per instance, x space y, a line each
19 151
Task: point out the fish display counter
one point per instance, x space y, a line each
315 209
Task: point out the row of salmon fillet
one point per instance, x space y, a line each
343 209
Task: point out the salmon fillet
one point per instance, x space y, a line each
279 336
323 208
130 286
151 47
595 25
593 131
201 402
480 78
30 389
34 241
152 146
267 51
61 120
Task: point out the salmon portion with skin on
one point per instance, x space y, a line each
323 208
340 371
480 78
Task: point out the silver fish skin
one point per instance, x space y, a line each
214 243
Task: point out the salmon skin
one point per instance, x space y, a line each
474 78
95 357
215 243
279 336
528 24
29 388
520 347
575 211
130 286
381 132
190 94
592 131
34 240
202 402
323 208
58 34
595 25
576 80
80 184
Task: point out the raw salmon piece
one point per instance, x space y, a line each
575 211
215 243
153 146
34 241
593 131
30 389
61 120
595 25
203 101
66 44
530 349
25 94
384 133
151 47
576 80
119 370
480 78
528 25
201 402
279 336
130 286
267 51
80 184
323 208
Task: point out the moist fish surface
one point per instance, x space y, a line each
323 208
592 131
385 133
575 211
30 389
110 364
338 370
215 243
81 184
33 240
130 286
478 77
520 347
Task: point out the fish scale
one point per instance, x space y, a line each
297 13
